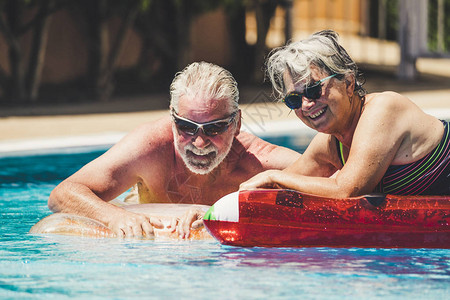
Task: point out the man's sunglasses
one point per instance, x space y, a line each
313 91
212 128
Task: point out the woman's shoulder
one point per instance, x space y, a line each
389 103
389 98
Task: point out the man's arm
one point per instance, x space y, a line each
87 191
79 199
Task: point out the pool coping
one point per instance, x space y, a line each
84 143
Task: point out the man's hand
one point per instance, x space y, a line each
192 219
131 224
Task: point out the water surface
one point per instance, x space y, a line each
63 267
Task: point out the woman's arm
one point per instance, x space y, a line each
384 128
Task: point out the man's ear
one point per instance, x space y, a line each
238 125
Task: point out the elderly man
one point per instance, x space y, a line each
196 155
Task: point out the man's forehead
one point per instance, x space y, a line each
197 103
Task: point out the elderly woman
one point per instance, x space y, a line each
379 142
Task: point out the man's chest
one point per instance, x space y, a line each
187 188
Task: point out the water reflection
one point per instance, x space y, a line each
356 261
423 263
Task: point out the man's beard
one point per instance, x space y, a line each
200 161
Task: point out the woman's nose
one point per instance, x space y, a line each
307 103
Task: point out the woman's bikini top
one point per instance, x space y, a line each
429 175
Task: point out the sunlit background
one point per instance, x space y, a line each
62 51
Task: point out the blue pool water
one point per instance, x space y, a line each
63 267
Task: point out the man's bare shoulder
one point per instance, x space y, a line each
269 155
254 144
251 142
151 140
152 134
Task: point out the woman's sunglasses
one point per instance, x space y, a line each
313 91
212 128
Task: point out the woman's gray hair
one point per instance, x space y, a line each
322 50
202 79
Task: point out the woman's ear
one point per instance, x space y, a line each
350 84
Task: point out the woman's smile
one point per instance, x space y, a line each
316 113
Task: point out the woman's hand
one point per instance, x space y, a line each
265 179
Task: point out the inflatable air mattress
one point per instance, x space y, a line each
286 218
69 224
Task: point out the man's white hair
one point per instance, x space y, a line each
202 79
322 50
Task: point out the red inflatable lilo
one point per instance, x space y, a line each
286 218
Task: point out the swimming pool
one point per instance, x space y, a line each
62 267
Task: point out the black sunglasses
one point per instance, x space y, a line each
212 128
313 91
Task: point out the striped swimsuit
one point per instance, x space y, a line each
429 175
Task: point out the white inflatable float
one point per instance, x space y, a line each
70 224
